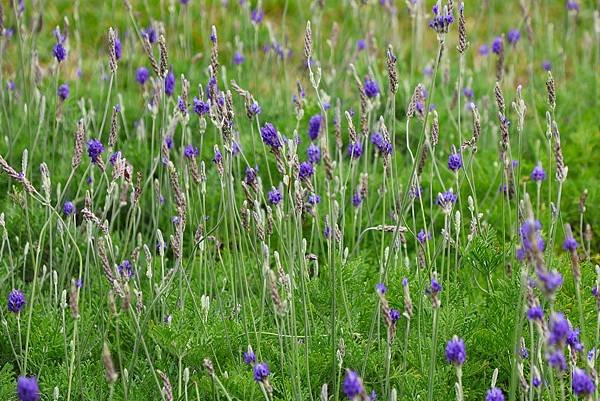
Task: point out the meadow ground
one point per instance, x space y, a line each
299 200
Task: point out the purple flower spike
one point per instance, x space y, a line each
274 197
495 394
261 372
583 384
142 75
456 352
28 389
352 386
16 301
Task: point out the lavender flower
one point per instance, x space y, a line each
170 83
28 389
454 161
60 53
535 313
583 384
538 174
142 75
63 92
483 50
270 136
573 340
513 36
95 149
274 197
570 244
190 151
455 351
371 87
313 152
361 44
125 269
352 386
314 199
394 315
547 65
356 199
380 288
557 360
383 146
250 175
497 45
550 281
573 6
446 199
150 34
314 126
238 58
16 301
181 106
249 357
355 150
118 47
306 170
257 16
442 18
495 394
201 108
423 236
261 372
68 208
254 109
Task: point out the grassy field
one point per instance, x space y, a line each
299 200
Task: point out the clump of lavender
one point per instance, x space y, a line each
16 301
169 83
433 291
306 170
28 389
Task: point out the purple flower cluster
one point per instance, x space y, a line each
383 146
68 208
582 383
498 45
63 92
170 83
270 136
28 389
125 269
274 197
305 170
371 87
454 161
352 386
538 174
531 239
190 151
261 372
314 126
313 153
355 150
142 75
494 394
455 351
200 107
16 301
513 36
442 19
95 149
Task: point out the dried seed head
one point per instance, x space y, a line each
164 57
391 68
463 44
79 144
112 56
109 367
551 91
308 45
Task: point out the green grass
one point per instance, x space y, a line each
331 317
